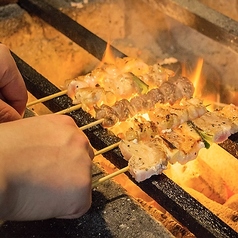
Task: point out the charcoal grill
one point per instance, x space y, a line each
189 212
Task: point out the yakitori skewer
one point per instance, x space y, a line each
44 99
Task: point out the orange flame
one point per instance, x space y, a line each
209 95
108 56
197 80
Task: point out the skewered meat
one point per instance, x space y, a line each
230 112
162 118
144 159
182 144
215 126
146 102
147 158
171 116
153 75
89 97
186 139
122 86
126 78
166 137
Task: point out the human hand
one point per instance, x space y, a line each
45 169
13 93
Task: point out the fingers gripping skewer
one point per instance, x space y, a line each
109 176
67 110
44 99
108 148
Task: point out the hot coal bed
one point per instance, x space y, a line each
188 211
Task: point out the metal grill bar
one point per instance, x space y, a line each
203 19
70 28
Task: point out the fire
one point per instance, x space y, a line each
205 88
108 56
197 80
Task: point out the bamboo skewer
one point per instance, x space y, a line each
109 176
44 99
106 149
68 110
94 123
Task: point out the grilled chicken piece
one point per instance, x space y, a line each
169 92
153 97
144 159
141 130
122 85
147 158
215 126
186 139
184 86
230 112
108 114
153 75
88 97
123 109
172 116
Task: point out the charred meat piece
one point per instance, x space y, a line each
123 109
154 96
108 114
169 91
184 86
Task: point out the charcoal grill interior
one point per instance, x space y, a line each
189 212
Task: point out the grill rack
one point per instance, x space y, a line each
174 199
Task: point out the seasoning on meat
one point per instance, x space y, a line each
144 159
